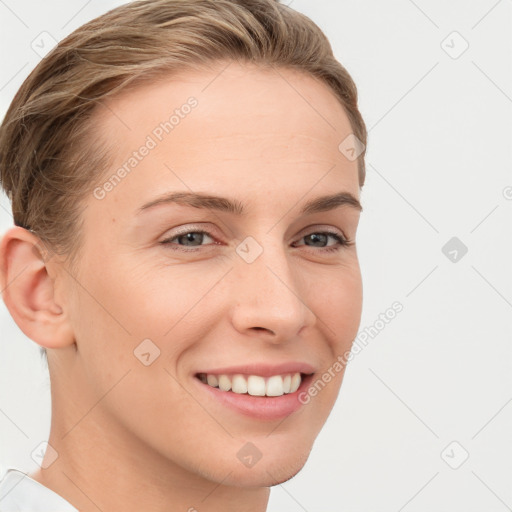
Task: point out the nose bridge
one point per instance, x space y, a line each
267 290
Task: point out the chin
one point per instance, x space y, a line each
264 473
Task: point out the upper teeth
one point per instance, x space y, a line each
255 385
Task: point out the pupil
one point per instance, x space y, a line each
190 237
317 236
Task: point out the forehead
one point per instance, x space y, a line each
230 126
247 99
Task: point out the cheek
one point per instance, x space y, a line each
339 305
125 306
138 301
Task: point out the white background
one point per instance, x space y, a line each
439 164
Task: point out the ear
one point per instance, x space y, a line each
28 289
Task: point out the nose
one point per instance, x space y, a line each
269 297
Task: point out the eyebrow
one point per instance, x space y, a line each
224 204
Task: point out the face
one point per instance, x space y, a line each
257 291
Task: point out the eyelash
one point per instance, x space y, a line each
343 242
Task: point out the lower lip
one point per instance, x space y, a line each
259 407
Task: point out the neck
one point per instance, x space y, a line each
102 466
100 471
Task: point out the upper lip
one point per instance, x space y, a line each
262 369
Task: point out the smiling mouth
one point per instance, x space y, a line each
254 385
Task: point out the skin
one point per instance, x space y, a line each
134 437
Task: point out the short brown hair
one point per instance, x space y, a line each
49 155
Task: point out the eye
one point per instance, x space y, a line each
321 238
191 239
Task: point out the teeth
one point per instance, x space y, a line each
255 385
286 383
239 384
295 382
224 383
212 380
275 386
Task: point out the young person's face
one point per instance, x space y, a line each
263 293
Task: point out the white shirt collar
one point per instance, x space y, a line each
20 493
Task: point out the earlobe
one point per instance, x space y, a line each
28 289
